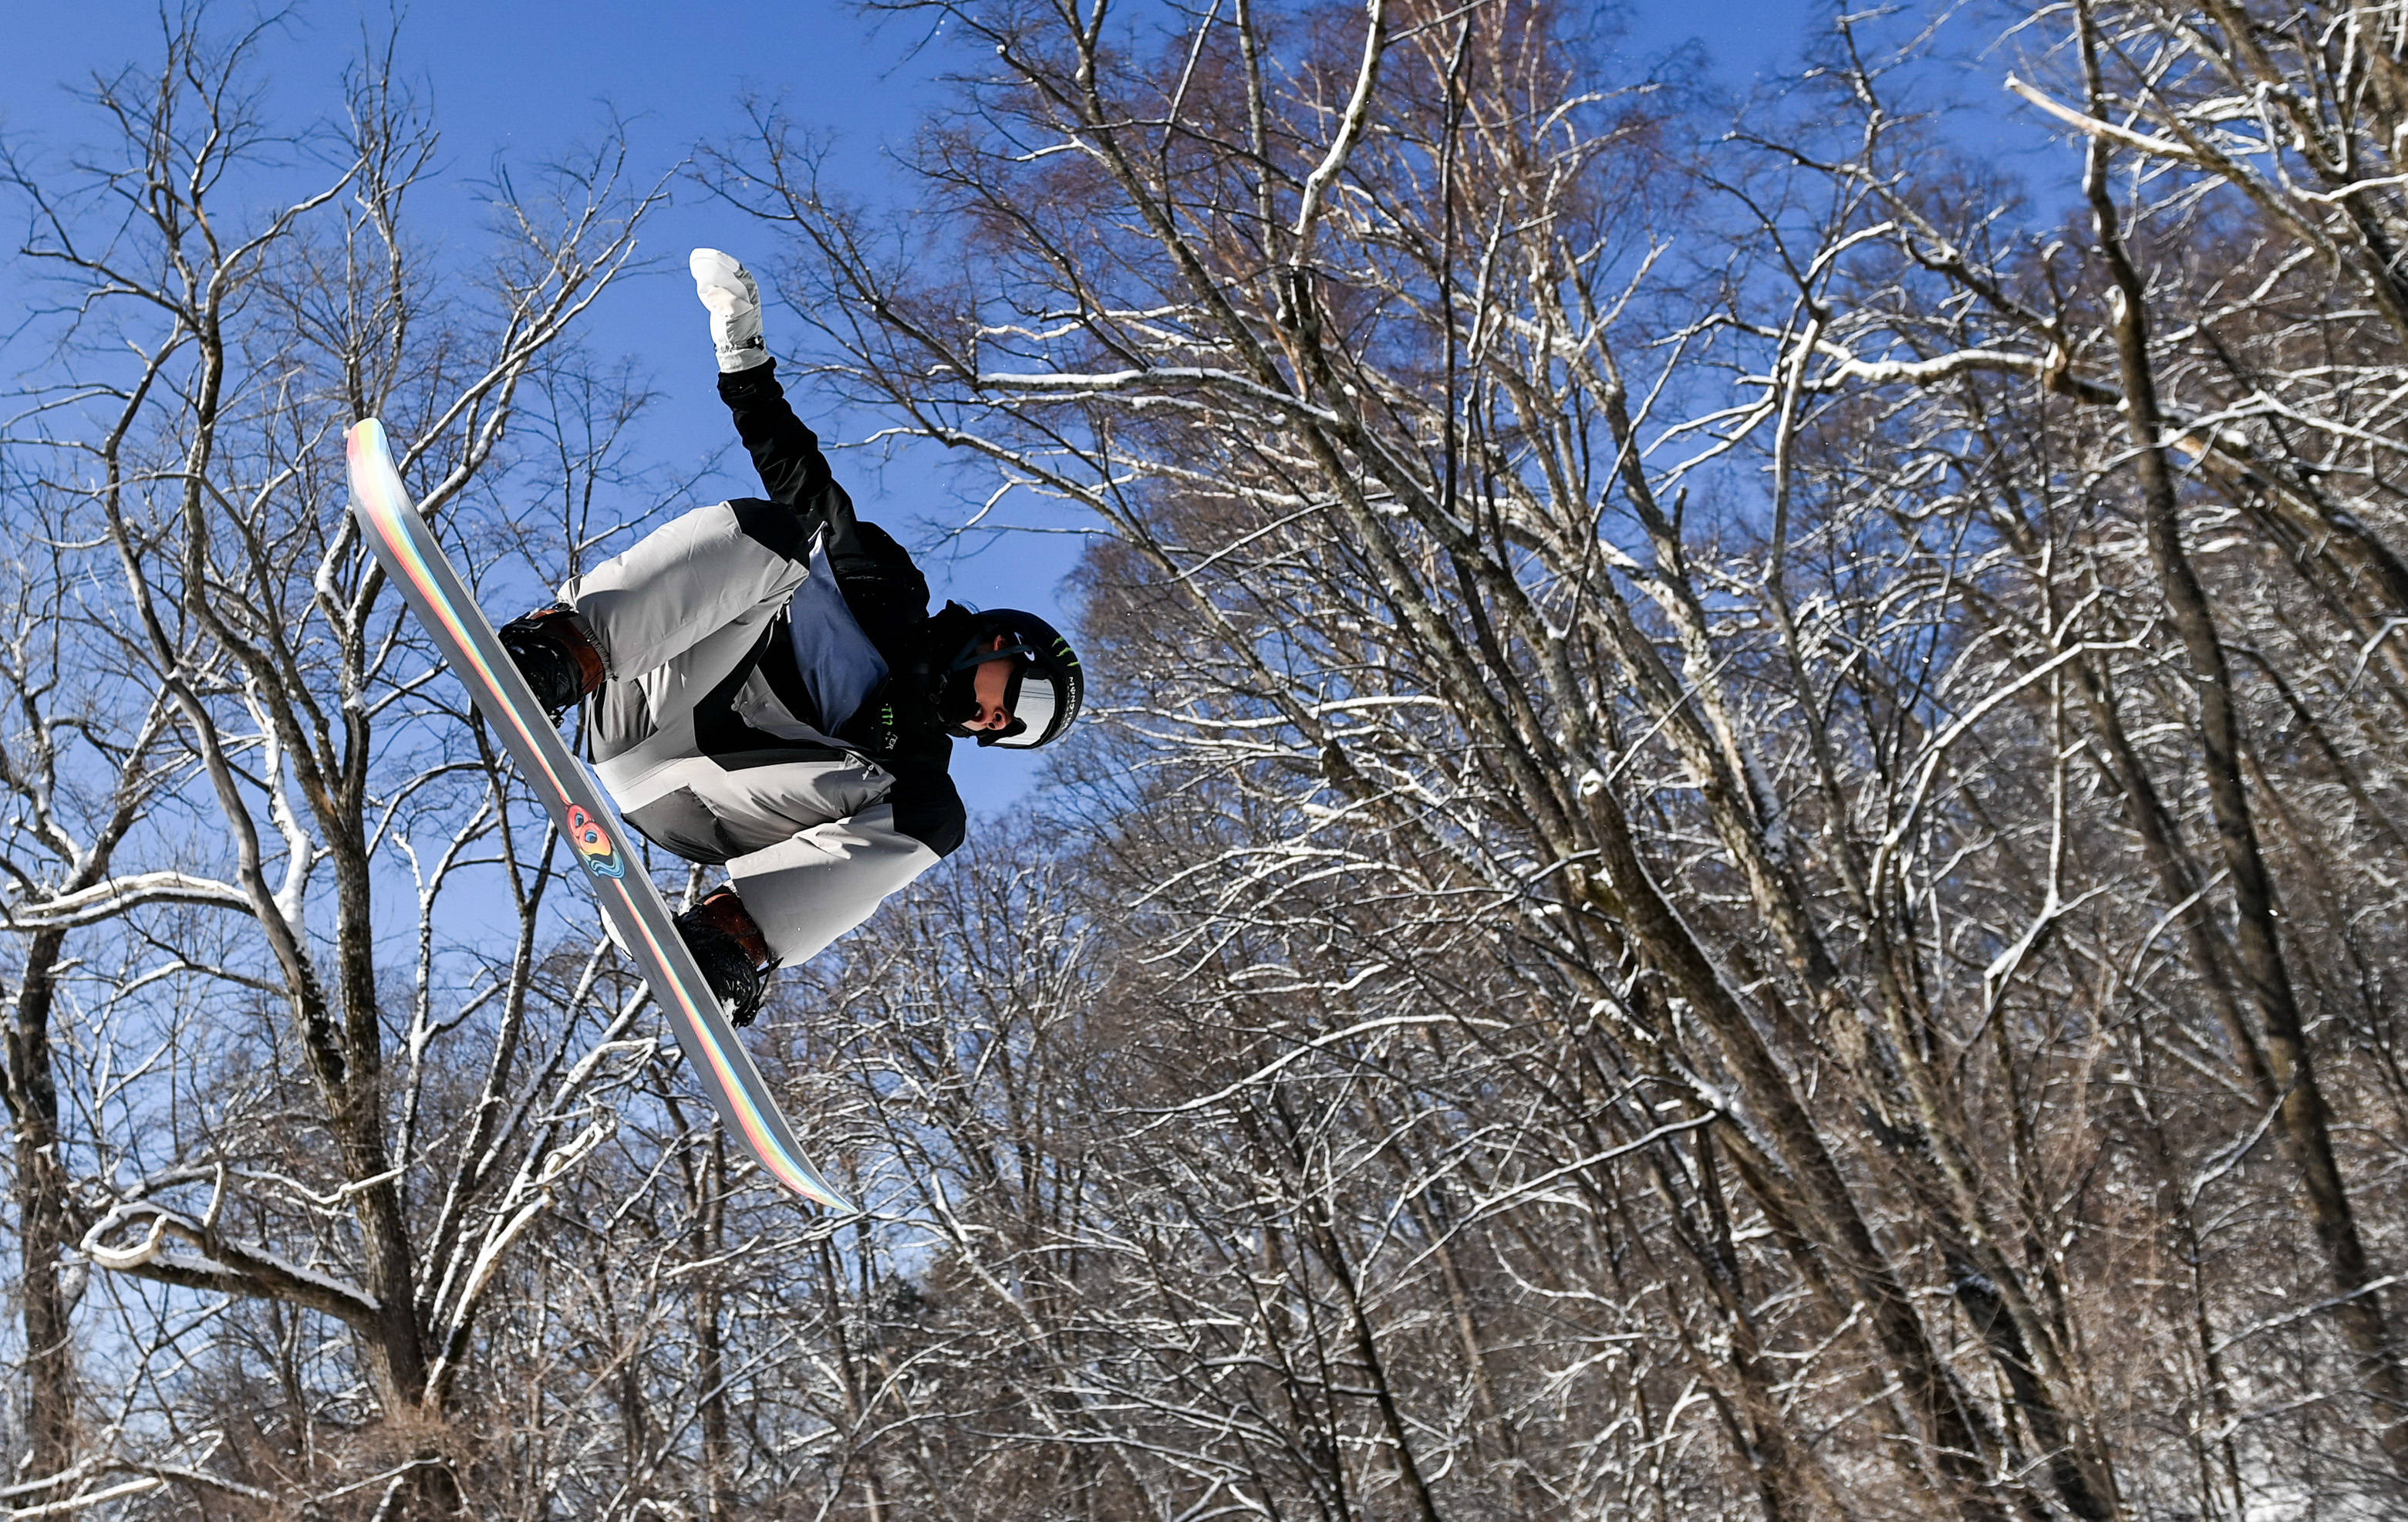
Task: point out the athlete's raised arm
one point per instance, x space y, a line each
784 450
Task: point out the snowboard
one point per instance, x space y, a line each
577 804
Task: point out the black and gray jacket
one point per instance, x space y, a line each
898 727
708 735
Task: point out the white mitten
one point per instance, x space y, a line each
727 288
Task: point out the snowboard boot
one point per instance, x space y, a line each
733 954
556 654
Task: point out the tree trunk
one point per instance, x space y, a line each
42 1214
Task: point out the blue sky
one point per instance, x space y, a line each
522 78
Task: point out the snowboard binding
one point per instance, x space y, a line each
733 954
555 651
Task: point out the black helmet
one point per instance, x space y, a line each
1046 686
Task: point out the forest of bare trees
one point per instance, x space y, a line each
1741 852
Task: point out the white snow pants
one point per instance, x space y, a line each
703 757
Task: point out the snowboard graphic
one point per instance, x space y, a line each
577 804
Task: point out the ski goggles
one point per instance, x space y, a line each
1031 700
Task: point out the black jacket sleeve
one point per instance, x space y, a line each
803 495
929 808
885 590
785 452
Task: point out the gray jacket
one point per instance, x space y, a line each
707 733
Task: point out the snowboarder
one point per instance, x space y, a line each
770 693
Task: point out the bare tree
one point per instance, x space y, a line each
1743 856
1759 701
231 748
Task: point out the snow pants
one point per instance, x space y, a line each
705 759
